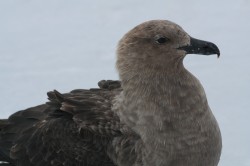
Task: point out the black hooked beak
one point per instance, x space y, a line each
200 47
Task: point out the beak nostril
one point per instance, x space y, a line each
206 47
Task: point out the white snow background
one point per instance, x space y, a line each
65 45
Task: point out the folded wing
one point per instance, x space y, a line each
76 128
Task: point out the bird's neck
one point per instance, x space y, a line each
162 105
161 88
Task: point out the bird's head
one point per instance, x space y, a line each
158 44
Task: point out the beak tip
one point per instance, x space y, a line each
217 51
218 54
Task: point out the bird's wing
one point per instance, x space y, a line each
77 128
15 125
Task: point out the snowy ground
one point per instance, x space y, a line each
64 45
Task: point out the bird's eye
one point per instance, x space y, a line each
161 40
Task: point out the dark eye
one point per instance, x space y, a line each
161 40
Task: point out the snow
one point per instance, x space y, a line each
64 45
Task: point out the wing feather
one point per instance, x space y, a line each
76 128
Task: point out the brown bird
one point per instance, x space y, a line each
157 114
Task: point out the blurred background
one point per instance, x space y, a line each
64 45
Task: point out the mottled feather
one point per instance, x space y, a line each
76 128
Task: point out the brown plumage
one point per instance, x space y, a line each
157 114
